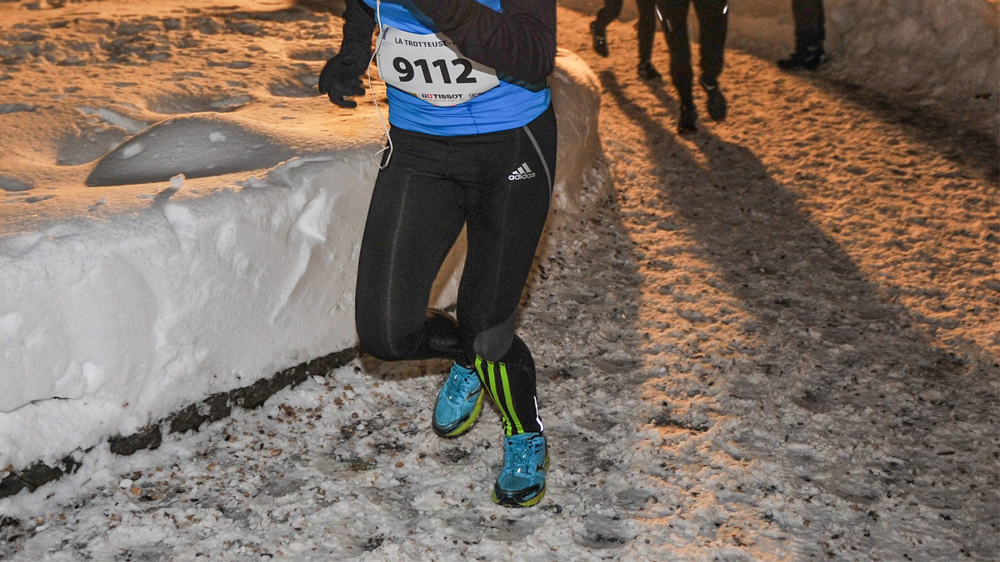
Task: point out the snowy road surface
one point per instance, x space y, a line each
778 342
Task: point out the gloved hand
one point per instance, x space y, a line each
340 76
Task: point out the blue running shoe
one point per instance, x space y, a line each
521 482
458 403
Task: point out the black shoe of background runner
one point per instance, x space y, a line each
716 101
810 58
686 119
600 39
648 72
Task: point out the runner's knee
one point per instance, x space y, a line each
491 344
392 340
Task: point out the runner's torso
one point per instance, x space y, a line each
448 94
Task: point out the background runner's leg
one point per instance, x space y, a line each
810 29
674 14
607 14
713 20
646 29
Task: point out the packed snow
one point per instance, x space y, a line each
774 340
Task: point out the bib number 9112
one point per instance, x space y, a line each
430 67
407 70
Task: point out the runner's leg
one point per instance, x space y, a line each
510 181
646 29
607 14
713 22
415 215
674 14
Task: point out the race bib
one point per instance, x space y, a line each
431 67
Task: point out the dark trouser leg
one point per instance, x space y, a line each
500 184
510 382
646 28
713 21
510 186
608 13
414 217
674 14
810 28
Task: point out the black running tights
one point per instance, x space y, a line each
810 29
713 21
498 185
646 27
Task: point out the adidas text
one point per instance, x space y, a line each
522 173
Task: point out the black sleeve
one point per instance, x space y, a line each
519 41
359 22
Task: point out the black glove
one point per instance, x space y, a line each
340 76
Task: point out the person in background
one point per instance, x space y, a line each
646 29
471 142
713 21
810 32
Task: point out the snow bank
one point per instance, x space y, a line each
208 284
940 48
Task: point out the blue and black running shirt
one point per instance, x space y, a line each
513 39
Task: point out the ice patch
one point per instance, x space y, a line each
6 108
131 149
184 146
13 185
111 117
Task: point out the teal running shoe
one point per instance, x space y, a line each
459 402
521 482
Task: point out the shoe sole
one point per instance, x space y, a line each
467 424
718 108
511 502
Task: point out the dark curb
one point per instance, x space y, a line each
213 408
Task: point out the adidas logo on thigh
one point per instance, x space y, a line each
522 173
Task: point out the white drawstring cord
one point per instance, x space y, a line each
385 125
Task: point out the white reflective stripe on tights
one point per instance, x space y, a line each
541 157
